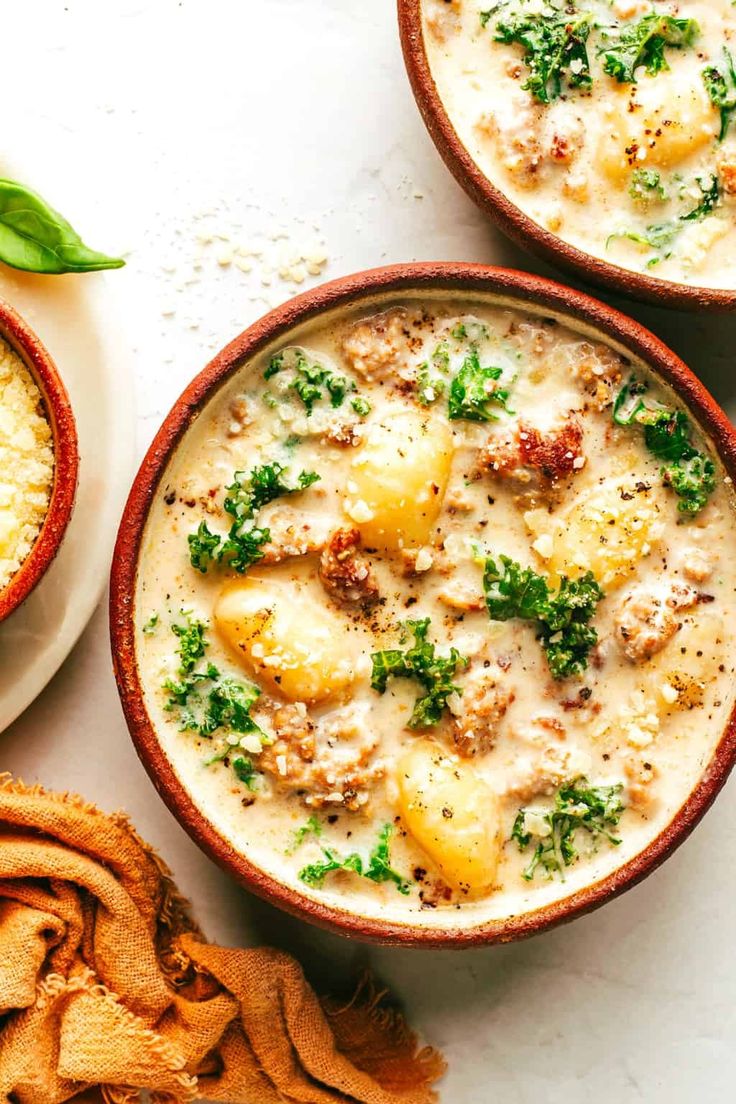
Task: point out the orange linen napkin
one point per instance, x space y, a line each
106 981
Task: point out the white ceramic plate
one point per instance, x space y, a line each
75 317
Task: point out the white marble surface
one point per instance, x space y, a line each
134 117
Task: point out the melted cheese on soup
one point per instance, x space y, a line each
436 610
609 124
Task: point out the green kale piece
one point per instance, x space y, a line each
644 42
246 495
554 41
562 618
311 380
646 186
361 405
244 771
192 642
420 662
151 625
377 868
721 87
667 434
429 386
566 636
250 493
662 234
474 389
311 827
203 547
693 480
207 702
578 807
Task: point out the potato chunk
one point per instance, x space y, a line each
297 646
398 480
606 530
452 814
670 119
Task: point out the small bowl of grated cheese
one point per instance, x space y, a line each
38 460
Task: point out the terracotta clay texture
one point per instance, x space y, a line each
66 458
510 218
505 286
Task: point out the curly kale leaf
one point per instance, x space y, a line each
311 380
207 702
250 493
421 662
578 807
644 42
721 87
662 234
246 495
554 42
562 618
646 186
377 867
474 389
567 638
667 434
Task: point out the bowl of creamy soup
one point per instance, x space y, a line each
424 603
598 133
38 460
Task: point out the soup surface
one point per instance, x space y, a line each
435 609
608 123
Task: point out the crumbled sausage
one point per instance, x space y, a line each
640 774
727 174
529 456
344 434
600 370
376 346
646 621
697 565
291 534
546 760
459 595
443 19
346 575
478 712
517 143
325 764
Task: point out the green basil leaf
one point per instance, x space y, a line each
36 238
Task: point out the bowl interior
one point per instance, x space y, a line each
371 290
57 409
509 217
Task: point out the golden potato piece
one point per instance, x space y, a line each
672 119
452 814
606 530
293 643
398 480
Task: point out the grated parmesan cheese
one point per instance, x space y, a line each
26 463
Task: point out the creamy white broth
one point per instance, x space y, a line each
569 164
649 725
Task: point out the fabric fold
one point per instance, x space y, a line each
105 980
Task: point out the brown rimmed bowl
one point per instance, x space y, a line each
505 287
511 219
58 411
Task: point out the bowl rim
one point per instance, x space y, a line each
510 218
409 279
58 410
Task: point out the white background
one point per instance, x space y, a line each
136 118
